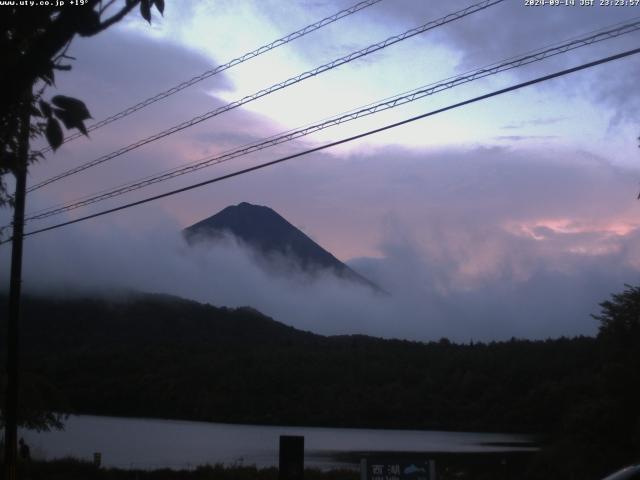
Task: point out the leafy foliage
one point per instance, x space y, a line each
601 432
34 42
40 404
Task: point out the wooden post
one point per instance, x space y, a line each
291 458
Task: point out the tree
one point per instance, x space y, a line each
620 319
600 433
34 41
619 336
41 403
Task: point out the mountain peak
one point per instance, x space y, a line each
250 206
269 234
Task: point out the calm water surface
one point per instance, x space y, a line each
150 443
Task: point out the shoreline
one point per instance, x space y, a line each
315 426
449 465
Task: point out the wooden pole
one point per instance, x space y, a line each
11 408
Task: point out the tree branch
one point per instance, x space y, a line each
58 34
115 18
104 9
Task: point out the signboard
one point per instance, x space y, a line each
398 469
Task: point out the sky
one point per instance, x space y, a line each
512 217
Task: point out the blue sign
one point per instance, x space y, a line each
400 469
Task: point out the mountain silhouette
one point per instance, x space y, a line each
272 237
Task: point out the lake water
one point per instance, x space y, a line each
150 443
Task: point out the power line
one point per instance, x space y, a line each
393 102
273 88
606 30
339 142
220 68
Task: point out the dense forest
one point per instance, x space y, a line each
161 356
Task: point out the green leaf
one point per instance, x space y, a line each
54 133
45 108
145 10
74 107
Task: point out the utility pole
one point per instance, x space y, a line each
11 408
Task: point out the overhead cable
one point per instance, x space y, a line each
221 68
338 142
393 102
273 88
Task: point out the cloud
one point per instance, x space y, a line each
534 122
546 303
518 138
481 244
119 69
479 231
511 28
473 242
159 260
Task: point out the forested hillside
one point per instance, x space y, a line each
151 355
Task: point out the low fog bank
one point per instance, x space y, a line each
223 274
425 301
